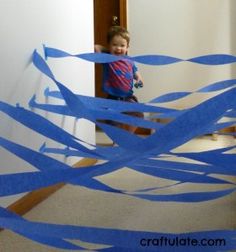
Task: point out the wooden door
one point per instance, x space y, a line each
106 14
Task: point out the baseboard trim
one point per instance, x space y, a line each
30 200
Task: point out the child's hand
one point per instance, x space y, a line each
138 84
100 49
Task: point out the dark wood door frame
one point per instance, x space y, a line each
104 11
123 13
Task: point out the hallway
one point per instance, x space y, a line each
80 206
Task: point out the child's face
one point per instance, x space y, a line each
118 46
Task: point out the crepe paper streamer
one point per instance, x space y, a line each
216 151
50 241
106 58
122 137
94 184
157 60
55 94
93 57
105 114
72 101
187 197
16 183
126 157
110 115
191 167
181 176
38 160
67 152
221 150
44 163
230 114
119 106
187 125
27 181
162 113
42 126
108 236
170 97
173 115
219 126
107 152
190 124
217 86
76 104
207 169
167 115
213 56
224 160
59 109
151 189
56 173
212 59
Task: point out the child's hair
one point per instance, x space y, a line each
118 30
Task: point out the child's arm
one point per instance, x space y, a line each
138 79
137 76
100 49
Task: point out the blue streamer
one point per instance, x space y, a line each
133 151
66 152
219 126
38 160
50 241
216 168
227 161
119 106
59 109
187 197
213 59
170 97
218 86
118 238
42 126
179 175
155 59
102 114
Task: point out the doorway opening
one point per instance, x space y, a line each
106 14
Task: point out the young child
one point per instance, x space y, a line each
121 76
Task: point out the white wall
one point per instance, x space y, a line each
233 32
182 29
26 25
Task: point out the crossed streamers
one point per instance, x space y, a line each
140 154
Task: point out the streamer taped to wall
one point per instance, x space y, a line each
137 153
